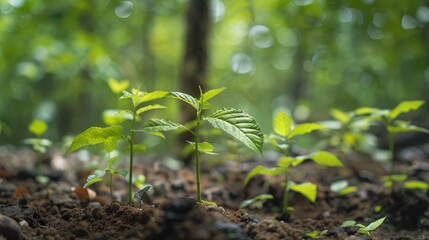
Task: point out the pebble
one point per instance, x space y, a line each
9 228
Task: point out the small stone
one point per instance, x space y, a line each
9 228
23 223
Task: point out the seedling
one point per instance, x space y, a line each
258 199
109 135
389 120
232 121
348 132
367 230
342 187
285 131
40 145
393 179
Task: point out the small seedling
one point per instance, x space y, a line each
285 131
389 120
109 135
342 187
40 145
235 122
348 132
367 230
258 199
393 179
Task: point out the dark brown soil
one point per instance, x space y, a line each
54 211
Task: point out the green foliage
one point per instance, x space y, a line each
259 198
342 187
388 119
111 134
235 122
285 130
401 179
40 145
367 230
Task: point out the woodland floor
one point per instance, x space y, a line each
53 211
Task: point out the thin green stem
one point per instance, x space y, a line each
197 156
392 151
39 164
286 194
130 173
110 178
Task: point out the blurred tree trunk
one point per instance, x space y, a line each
195 61
149 61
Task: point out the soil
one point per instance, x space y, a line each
62 209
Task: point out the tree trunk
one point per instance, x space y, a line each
195 61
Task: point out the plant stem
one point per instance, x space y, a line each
39 164
286 193
110 178
391 149
197 155
130 173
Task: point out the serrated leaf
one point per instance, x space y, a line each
38 127
261 170
94 135
149 107
282 124
308 190
414 184
341 116
325 159
260 197
304 128
150 96
117 86
240 125
212 93
186 98
404 107
204 147
160 125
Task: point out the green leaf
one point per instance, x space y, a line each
212 93
282 124
305 128
113 159
308 190
347 190
121 172
338 185
118 86
366 111
341 116
404 107
260 197
38 127
416 185
325 159
240 125
94 135
149 107
406 128
110 143
261 170
395 178
139 147
92 181
372 226
204 147
348 223
285 162
186 98
112 117
158 134
150 96
160 125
